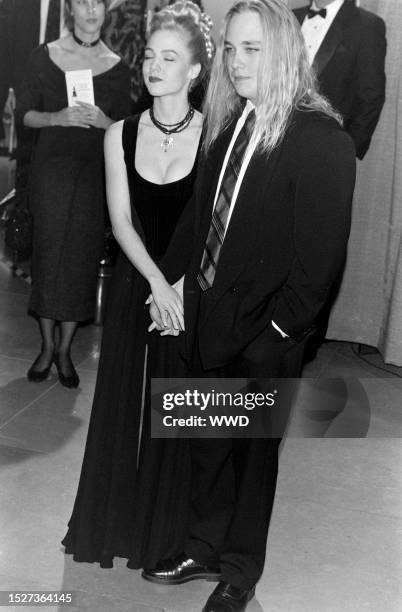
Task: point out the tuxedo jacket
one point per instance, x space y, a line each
19 35
350 69
284 246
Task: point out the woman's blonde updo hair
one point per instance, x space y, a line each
186 17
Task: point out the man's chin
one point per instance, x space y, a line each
243 90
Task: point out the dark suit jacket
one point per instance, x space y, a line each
285 244
19 35
350 69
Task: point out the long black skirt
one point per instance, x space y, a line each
133 493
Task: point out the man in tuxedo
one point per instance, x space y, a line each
347 48
24 24
260 245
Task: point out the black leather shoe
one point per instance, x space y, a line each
72 380
180 569
38 375
228 598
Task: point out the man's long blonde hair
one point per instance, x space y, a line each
286 81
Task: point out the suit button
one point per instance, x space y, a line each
233 290
261 261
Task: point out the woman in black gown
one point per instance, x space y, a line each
67 195
132 495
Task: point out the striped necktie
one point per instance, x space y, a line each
53 21
217 229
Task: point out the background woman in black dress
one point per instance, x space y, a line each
67 193
132 495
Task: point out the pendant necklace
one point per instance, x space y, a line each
173 128
83 43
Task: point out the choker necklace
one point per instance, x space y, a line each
83 43
172 128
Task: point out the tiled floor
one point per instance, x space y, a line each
335 539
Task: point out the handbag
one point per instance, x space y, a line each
18 234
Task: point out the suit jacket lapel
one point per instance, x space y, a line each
30 14
36 28
333 37
26 27
245 222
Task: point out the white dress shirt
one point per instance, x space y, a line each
315 29
44 9
246 160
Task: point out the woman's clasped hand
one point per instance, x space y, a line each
165 325
82 115
169 304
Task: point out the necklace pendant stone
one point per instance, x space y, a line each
167 143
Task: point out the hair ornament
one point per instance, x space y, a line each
206 25
192 11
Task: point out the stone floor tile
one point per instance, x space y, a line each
323 558
351 366
48 424
347 407
353 474
16 393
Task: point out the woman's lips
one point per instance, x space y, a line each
154 79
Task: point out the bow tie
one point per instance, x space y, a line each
312 13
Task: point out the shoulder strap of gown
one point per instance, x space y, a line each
129 139
129 142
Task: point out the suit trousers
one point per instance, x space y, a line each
234 480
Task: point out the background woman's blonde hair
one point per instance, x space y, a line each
285 81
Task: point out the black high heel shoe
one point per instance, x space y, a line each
38 376
72 380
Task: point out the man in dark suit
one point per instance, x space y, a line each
347 48
260 245
24 24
